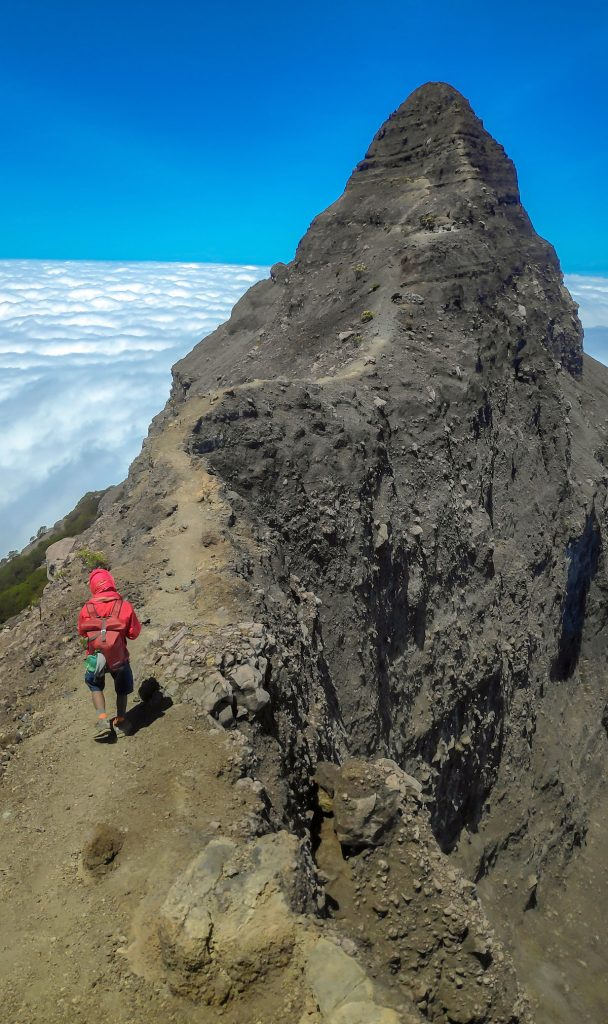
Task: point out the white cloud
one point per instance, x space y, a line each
591 293
85 355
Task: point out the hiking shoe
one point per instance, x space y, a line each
103 727
121 726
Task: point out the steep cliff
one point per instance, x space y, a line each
404 438
369 524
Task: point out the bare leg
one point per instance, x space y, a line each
99 701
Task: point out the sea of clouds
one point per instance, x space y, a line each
85 355
591 293
86 350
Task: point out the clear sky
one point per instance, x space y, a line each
139 129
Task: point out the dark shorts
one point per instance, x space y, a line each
122 676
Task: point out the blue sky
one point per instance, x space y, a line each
191 131
199 141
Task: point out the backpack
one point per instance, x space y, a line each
105 635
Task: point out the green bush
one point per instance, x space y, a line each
15 598
366 316
93 559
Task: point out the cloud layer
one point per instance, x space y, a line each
591 293
85 355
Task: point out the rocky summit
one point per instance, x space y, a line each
365 783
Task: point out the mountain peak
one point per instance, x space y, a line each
436 134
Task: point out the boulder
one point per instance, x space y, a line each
212 694
246 677
57 555
254 701
342 989
228 921
365 798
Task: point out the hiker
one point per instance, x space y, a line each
108 621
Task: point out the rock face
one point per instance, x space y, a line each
418 471
403 417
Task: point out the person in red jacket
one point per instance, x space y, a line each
106 606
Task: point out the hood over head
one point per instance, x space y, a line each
100 580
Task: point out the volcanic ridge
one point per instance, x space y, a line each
366 780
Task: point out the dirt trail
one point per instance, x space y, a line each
65 933
78 948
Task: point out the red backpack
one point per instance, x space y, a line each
107 634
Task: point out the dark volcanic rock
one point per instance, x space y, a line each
418 478
407 423
433 209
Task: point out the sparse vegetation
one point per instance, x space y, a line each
93 559
23 577
428 221
359 269
366 316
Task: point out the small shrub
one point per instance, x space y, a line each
93 559
366 316
428 221
359 269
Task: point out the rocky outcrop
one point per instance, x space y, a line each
227 922
421 920
223 674
414 469
402 416
57 555
234 920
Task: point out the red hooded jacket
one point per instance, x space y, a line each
103 593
